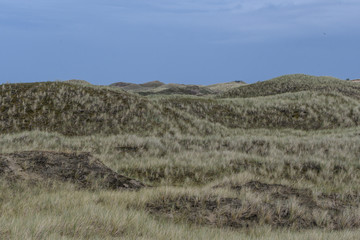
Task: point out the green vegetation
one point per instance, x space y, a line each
303 110
78 109
159 88
223 87
280 166
296 83
77 81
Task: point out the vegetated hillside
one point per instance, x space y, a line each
180 90
133 87
270 183
78 81
159 88
75 109
80 109
223 87
152 84
302 110
296 83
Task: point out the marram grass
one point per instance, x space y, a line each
273 160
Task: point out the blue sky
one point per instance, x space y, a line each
187 41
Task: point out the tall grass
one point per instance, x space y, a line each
62 212
302 110
295 83
252 168
78 109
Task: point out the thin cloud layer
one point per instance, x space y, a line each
257 19
270 18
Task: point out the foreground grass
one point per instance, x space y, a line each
312 176
325 160
62 212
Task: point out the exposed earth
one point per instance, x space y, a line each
277 205
81 169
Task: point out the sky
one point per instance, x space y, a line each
187 41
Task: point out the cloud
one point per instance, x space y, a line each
262 18
247 19
211 6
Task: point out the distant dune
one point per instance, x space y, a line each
78 81
78 109
290 101
295 83
160 88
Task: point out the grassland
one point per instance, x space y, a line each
160 88
296 83
79 109
283 166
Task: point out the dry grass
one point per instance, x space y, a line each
159 88
252 168
204 185
323 159
295 83
62 212
79 109
224 87
302 110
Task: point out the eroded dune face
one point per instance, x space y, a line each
81 169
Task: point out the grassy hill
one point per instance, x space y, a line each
78 81
80 109
179 90
303 110
133 87
159 88
224 87
77 109
278 160
295 83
